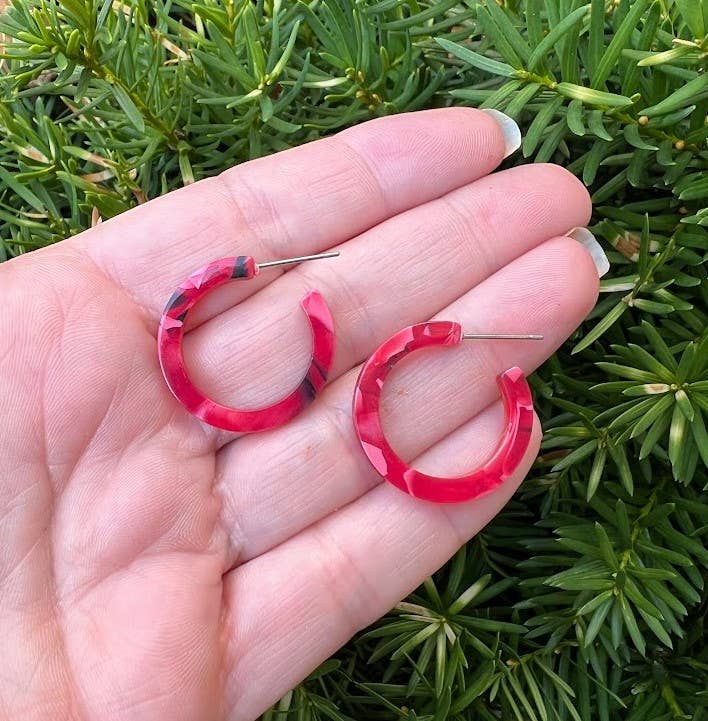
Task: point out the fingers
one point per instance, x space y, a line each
401 272
274 485
296 202
344 572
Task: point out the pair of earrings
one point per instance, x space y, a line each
367 421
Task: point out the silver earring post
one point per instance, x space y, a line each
501 336
465 336
301 259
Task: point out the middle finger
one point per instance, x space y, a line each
400 272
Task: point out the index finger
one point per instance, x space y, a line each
297 202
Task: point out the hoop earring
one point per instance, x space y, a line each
518 407
171 333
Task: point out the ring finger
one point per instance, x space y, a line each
291 478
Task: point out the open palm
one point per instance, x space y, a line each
156 568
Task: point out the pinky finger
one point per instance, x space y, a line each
292 607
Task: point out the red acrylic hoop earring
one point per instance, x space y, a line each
518 406
171 333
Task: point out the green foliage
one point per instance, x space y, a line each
586 598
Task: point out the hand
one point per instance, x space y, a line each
154 568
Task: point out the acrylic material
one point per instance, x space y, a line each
171 333
518 407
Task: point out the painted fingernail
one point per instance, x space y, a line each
590 243
510 130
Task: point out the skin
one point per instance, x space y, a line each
155 568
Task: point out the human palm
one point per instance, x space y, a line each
153 567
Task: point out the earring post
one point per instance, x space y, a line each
501 336
300 259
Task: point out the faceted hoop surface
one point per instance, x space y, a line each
518 407
169 344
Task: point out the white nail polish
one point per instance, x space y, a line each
510 130
590 243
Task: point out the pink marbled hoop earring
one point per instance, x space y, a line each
171 333
518 407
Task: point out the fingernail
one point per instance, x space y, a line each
510 130
590 243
